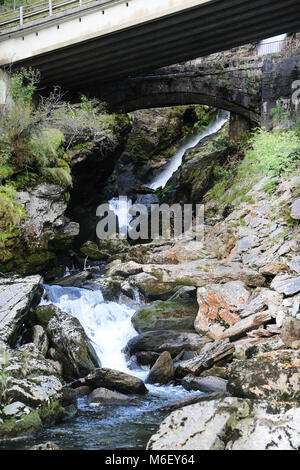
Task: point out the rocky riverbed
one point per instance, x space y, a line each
178 344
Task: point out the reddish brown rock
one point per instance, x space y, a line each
272 269
219 307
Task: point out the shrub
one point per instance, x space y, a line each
271 154
11 214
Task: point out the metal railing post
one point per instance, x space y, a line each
21 16
50 7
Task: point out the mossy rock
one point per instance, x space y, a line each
177 314
27 425
42 315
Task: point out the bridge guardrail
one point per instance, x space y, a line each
37 10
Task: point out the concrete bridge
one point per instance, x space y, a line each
75 43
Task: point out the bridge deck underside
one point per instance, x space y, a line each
202 30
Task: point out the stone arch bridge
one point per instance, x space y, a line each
247 87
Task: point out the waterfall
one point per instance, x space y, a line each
121 208
271 45
163 177
107 324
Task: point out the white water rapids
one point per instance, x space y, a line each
107 324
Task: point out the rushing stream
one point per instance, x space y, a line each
109 328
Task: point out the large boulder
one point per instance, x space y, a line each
163 370
45 231
274 375
112 380
229 424
103 396
151 285
219 307
166 340
205 384
203 272
16 297
72 347
34 382
177 314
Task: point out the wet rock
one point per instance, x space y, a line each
163 370
176 314
166 340
145 358
16 297
229 424
274 375
290 332
72 347
205 384
103 396
219 307
217 353
74 280
113 380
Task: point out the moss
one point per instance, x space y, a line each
51 413
43 315
157 274
184 282
21 427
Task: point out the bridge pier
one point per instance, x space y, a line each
240 127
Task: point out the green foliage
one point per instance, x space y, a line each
22 85
280 114
11 214
271 154
4 375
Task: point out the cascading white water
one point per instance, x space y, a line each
163 177
121 208
107 324
271 45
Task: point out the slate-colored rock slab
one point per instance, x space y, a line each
205 384
214 353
